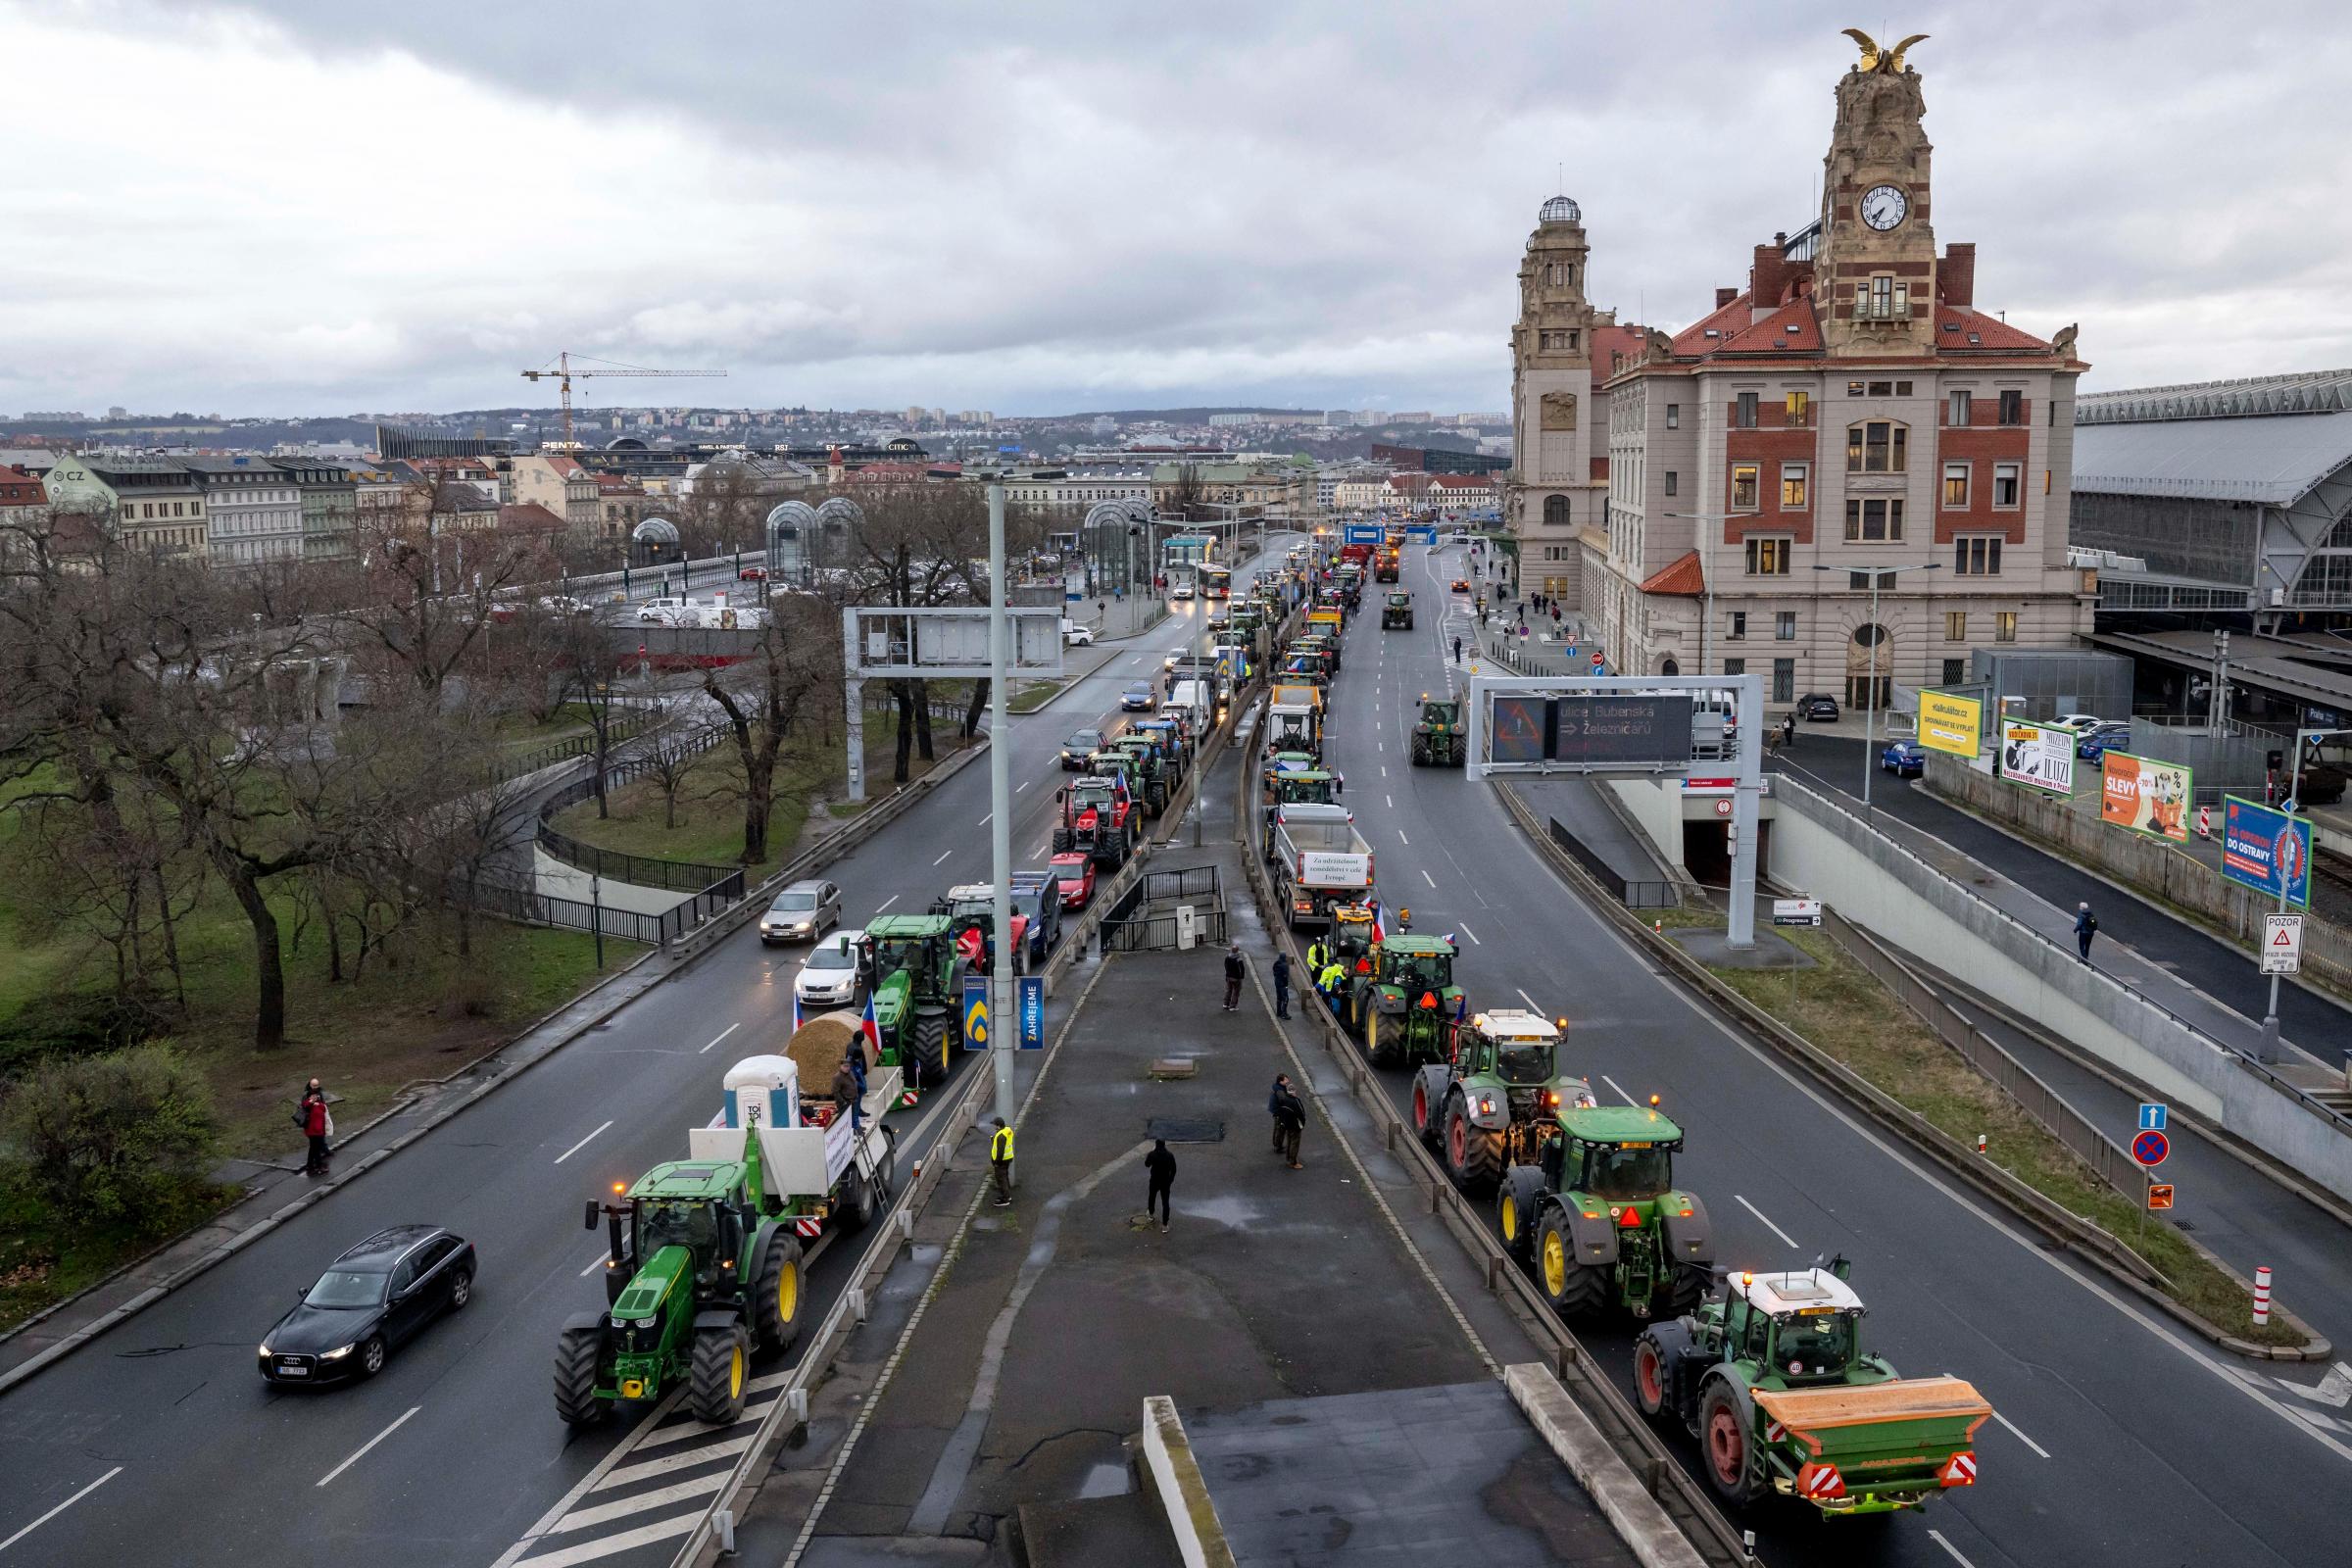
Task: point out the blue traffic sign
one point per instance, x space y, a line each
2151 1147
975 1012
2152 1116
1032 1009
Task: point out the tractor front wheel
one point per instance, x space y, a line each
1726 1441
1061 840
1649 1376
721 1368
1573 1290
576 1353
775 1304
1427 1107
1516 1206
1679 1293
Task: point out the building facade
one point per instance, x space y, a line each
329 506
563 487
253 511
1848 421
148 506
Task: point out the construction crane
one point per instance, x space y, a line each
562 374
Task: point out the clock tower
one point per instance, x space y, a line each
1555 345
1876 267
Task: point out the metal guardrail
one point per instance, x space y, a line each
1126 931
1633 895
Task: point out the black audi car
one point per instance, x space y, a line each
369 1300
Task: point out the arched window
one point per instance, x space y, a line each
1669 667
1555 510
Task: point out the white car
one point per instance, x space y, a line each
1183 590
2079 724
1074 635
829 976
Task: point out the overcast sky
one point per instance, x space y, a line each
322 208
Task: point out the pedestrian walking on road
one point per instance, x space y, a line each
2087 926
1233 976
1160 1166
317 1126
1281 1087
1290 1116
1457 650
1788 728
1282 985
1000 1162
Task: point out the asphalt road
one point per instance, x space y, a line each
159 1438
2120 1439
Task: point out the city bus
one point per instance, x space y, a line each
1216 582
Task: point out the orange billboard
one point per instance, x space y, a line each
2145 796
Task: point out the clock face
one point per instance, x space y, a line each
1884 206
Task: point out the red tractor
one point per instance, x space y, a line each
1101 819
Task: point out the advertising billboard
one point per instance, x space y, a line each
2038 755
1948 724
2144 795
2263 848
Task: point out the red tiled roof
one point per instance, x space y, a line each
1682 575
1610 341
1727 321
531 515
1462 481
618 484
1993 333
21 489
1770 335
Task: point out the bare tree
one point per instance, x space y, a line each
671 747
432 570
794 668
589 671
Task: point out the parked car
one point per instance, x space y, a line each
752 575
803 911
1904 760
1818 706
2079 724
833 975
1073 635
1081 745
376 1295
1140 697
1076 869
2096 743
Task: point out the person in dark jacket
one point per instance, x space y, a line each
1160 1166
315 1125
1281 1087
1282 985
846 1098
1290 1116
2087 925
1234 970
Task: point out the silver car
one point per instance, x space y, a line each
831 976
802 912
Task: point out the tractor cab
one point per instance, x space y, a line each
1279 763
1351 939
1520 1048
972 912
1621 1155
1797 1328
1417 966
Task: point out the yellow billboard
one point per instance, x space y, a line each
1948 724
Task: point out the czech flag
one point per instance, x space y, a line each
796 1010
871 1029
1376 934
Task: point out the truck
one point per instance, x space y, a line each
1402 999
1599 1217
1296 785
1438 739
918 992
1319 860
1294 723
1397 614
1496 1100
1099 817
704 1264
1771 1380
1354 555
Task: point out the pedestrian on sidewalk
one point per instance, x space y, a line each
2087 926
1000 1162
1233 976
1282 985
1281 1087
1290 1114
317 1126
1160 1166
1457 650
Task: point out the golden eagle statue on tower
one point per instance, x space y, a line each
1886 62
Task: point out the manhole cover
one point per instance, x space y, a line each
1186 1130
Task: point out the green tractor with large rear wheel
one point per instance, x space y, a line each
1404 999
1438 738
918 992
1600 1219
1497 1099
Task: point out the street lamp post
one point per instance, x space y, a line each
1870 709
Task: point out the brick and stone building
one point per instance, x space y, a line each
1849 415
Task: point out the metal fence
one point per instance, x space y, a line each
1633 895
646 871
513 902
1145 915
2038 1099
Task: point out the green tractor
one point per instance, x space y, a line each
1146 775
703 1271
1275 765
1402 999
1397 614
1773 1381
1438 733
1292 785
1599 1215
918 992
1496 1099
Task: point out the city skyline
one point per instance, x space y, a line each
1194 224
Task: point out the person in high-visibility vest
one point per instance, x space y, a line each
1329 982
1000 1162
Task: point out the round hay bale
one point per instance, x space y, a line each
820 1047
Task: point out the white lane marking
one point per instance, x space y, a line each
595 1263
2020 1436
671 1464
1392 800
626 1540
1936 1535
1384 771
1531 1004
1402 839
983 822
361 1451
1024 785
1770 1226
61 1508
944 854
582 1144
1613 1084
644 1501
721 1035
1472 934
1425 876
886 903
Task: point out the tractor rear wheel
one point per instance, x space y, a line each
1420 752
1473 1155
931 1043
1379 1047
775 1303
1726 1442
576 1353
721 1368
1572 1289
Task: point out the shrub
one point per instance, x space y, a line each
127 1137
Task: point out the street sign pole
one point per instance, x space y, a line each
999 802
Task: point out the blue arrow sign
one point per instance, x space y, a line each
2152 1116
975 1012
